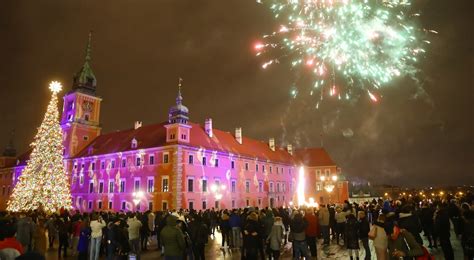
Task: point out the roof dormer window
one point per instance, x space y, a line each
134 143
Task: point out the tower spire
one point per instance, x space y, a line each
10 150
178 113
85 80
179 98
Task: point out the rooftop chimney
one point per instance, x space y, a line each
138 124
208 126
238 135
289 148
271 143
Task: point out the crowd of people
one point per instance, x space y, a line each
395 227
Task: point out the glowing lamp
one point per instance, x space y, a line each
218 196
322 178
385 194
213 188
222 187
334 178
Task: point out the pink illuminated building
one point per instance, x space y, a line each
169 165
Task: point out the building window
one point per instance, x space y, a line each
102 165
99 204
216 204
164 184
150 205
82 166
138 160
110 205
122 185
278 187
259 202
271 186
138 206
277 169
3 190
233 203
318 173
204 161
124 163
246 166
89 204
172 136
93 166
81 179
232 165
289 170
270 169
136 185
91 187
318 187
101 187
112 164
166 158
150 185
260 186
79 201
111 186
191 205
232 187
204 185
247 202
256 167
216 162
191 159
164 205
283 186
151 160
247 186
183 136
190 185
124 204
263 168
75 165
204 204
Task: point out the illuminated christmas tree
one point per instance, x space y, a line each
44 184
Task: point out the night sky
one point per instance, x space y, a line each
140 48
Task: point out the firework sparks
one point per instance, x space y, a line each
365 43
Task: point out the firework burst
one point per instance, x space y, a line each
349 46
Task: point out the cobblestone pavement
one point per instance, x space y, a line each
214 251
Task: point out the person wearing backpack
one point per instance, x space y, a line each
198 232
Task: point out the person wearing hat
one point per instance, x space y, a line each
172 239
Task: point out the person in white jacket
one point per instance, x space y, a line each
134 226
96 236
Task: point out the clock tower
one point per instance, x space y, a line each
81 109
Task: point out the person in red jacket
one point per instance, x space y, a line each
312 231
10 248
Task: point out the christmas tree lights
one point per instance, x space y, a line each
44 183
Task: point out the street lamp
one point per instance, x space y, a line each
329 184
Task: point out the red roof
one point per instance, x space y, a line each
314 157
155 136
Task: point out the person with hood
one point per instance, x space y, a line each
297 228
407 220
198 233
312 231
443 229
403 245
172 240
235 224
323 216
275 238
252 233
351 236
364 228
379 237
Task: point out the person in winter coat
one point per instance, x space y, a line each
364 228
323 216
402 245
379 237
340 223
172 239
467 240
235 224
96 236
252 232
312 231
407 220
83 243
24 231
443 227
351 235
134 226
427 224
198 233
275 238
39 237
297 228
64 230
225 228
52 230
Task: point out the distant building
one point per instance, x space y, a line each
173 164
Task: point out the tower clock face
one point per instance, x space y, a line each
87 106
